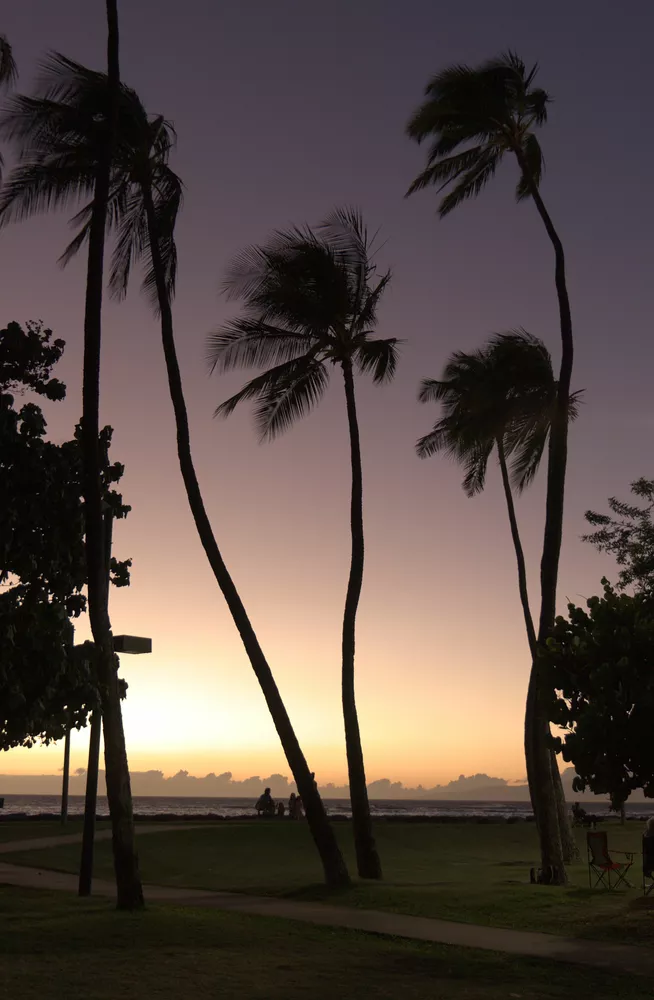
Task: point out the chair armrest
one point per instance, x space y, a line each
626 854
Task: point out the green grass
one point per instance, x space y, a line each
34 829
467 872
56 946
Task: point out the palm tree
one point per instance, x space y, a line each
46 175
500 398
128 880
145 196
475 116
311 300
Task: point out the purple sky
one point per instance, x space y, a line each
284 110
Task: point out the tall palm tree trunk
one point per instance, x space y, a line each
128 882
539 768
368 863
568 843
517 545
335 870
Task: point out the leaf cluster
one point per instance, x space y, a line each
600 661
627 533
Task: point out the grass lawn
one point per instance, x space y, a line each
57 946
468 872
32 829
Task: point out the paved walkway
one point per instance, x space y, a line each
617 958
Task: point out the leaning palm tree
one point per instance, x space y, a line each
144 199
500 398
474 117
311 300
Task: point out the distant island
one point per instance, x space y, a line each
475 787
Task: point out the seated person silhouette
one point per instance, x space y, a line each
265 804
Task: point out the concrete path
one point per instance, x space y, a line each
618 958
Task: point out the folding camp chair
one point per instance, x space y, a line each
608 874
648 865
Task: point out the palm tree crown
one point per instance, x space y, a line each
503 392
311 299
475 116
60 134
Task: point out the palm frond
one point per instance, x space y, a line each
432 443
8 67
40 186
442 171
345 231
471 183
429 391
475 466
527 451
291 398
369 304
82 221
167 196
247 273
132 242
285 393
379 357
294 281
535 165
245 342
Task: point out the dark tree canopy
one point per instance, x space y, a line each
601 663
27 357
628 534
44 686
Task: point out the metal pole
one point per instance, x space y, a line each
91 800
64 785
90 806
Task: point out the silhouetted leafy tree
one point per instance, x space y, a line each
629 536
45 686
311 300
475 117
144 199
601 661
27 357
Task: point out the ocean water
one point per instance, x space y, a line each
148 806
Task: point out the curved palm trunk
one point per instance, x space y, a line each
568 843
335 870
128 882
539 769
517 545
368 863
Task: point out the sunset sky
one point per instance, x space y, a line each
284 110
